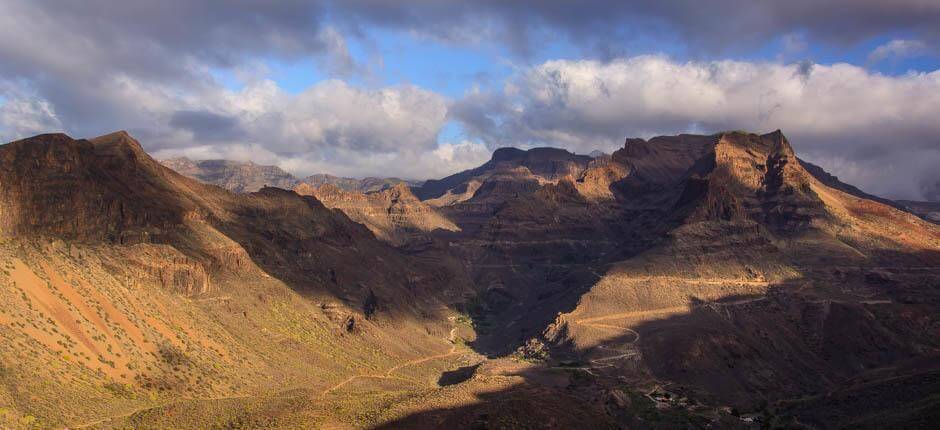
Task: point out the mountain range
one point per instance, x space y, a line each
246 176
690 281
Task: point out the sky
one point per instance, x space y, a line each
422 89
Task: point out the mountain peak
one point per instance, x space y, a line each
507 153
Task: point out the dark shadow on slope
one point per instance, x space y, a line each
821 355
456 376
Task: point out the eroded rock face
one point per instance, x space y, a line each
179 274
101 189
756 178
394 215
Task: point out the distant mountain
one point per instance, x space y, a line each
240 177
929 211
393 214
533 166
364 185
246 176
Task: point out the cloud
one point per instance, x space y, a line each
899 49
879 132
94 66
329 127
24 117
720 26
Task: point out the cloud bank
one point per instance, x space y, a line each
879 132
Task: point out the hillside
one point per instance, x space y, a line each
132 287
766 283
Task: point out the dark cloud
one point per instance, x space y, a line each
206 125
931 192
606 26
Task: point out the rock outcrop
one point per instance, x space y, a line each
394 215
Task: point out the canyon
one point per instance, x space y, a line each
685 281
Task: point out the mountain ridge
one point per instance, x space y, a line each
690 274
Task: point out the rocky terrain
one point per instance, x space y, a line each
393 214
679 282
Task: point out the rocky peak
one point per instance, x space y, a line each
106 188
754 177
507 154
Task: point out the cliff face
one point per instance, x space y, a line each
394 215
101 189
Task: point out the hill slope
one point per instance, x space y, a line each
131 287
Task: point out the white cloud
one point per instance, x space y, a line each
22 117
830 111
331 127
899 49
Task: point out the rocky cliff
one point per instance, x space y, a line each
394 214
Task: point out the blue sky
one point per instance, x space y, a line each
424 89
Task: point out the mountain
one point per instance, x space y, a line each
393 214
929 211
364 185
683 281
715 270
765 284
246 177
240 177
538 164
129 288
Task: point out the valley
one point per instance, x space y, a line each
680 282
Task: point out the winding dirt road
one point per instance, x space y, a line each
389 373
